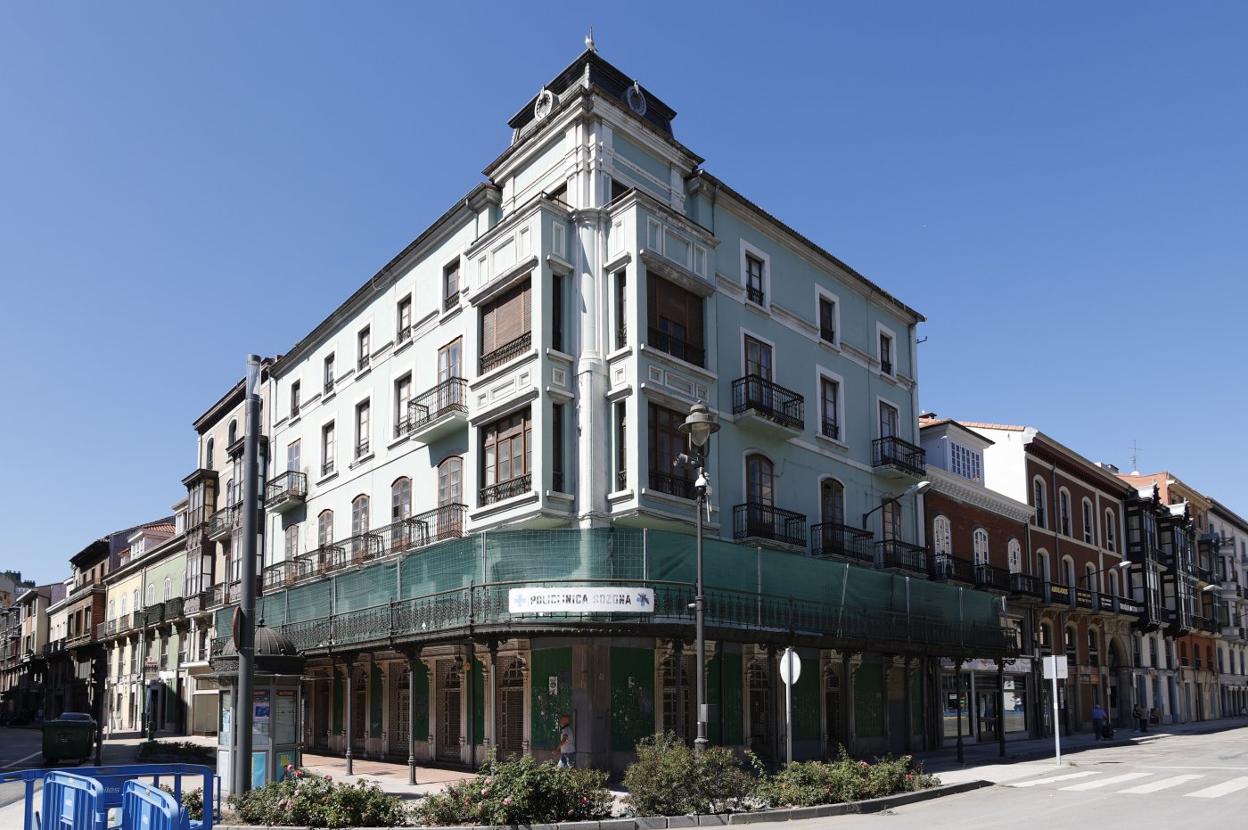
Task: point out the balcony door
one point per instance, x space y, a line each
759 494
757 358
890 521
888 420
450 360
450 492
832 502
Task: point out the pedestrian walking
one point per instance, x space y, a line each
567 743
1098 721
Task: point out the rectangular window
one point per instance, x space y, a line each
327 449
618 189
675 320
757 359
505 456
294 451
754 279
621 309
666 442
294 399
888 420
620 419
361 429
402 397
827 320
450 286
557 450
404 322
556 312
890 527
329 374
966 462
829 401
365 349
505 328
886 354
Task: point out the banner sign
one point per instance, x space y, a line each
580 600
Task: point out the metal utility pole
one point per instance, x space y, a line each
245 627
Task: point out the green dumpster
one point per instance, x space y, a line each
69 737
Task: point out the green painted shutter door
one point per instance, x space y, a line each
478 692
714 698
806 720
916 702
869 701
420 688
632 696
731 686
337 703
375 697
550 663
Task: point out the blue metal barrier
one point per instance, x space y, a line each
112 781
147 808
71 802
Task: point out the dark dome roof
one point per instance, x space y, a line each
269 643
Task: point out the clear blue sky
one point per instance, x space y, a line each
1060 188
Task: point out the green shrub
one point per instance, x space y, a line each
522 791
670 779
179 750
807 784
192 801
311 801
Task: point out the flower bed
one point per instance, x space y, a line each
306 800
519 792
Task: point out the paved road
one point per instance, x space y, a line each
1177 781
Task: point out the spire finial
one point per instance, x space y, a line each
589 41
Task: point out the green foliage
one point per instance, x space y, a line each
522 791
176 750
306 800
806 784
670 779
192 801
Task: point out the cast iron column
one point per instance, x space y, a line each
245 633
350 688
413 660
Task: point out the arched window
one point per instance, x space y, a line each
979 541
168 589
112 608
1114 589
123 606
229 493
1040 501
451 481
359 515
1111 534
1042 565
942 536
1071 643
1014 551
208 447
832 501
1063 512
151 594
759 480
1089 523
233 432
1094 648
1089 577
1068 571
325 529
400 499
1046 637
292 542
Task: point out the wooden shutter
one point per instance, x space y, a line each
505 319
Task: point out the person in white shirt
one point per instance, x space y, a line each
567 742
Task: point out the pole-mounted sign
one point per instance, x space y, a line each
1056 668
790 670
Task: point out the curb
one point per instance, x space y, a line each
870 805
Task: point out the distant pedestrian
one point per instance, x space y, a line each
1098 721
567 743
1137 714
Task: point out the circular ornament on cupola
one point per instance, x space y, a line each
544 104
636 99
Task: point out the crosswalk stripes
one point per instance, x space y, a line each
1219 790
1162 784
1052 780
1106 782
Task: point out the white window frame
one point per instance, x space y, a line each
1014 556
1088 511
976 535
1111 531
766 342
942 540
757 253
822 293
880 329
822 373
1042 504
1069 531
901 423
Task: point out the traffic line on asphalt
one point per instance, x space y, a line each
1219 790
21 760
1162 784
1053 780
1105 782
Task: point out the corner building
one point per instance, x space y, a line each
497 408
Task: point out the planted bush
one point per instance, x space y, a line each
307 800
807 784
522 791
670 779
176 750
192 801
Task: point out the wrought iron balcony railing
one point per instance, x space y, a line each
891 451
506 353
449 396
291 485
517 486
836 539
676 347
894 553
764 521
949 567
757 395
673 485
225 521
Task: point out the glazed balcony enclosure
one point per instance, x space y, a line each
449 590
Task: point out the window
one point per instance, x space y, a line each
1089 523
208 455
620 419
449 361
1039 500
827 319
451 481
618 189
450 286
400 499
404 321
965 462
890 520
979 542
675 320
1068 571
1111 536
556 312
329 374
293 455
506 449
832 501
942 536
760 485
556 448
151 594
1014 552
1042 565
168 591
292 542
1071 643
359 515
327 449
621 309
1063 511
402 399
889 420
364 348
505 328
757 359
1089 577
361 429
829 408
325 529
754 273
135 596
886 353
665 443
1114 588
233 434
294 399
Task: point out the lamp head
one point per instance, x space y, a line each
699 425
918 487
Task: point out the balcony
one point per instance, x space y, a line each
1056 593
234 592
892 454
763 521
991 578
173 608
1025 585
898 555
1083 598
677 348
506 353
949 568
832 539
153 614
673 485
285 491
197 602
768 403
439 411
402 535
325 559
223 523
517 486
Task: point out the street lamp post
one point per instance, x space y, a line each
917 487
699 426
